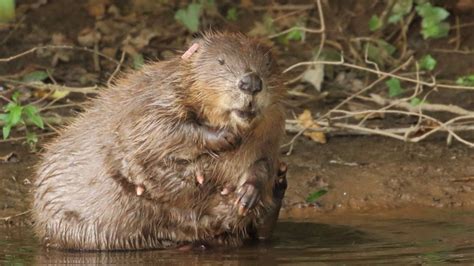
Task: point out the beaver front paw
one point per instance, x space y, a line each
279 188
247 197
222 140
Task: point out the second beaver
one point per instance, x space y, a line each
123 175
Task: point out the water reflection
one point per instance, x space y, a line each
362 240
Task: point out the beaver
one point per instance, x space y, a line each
182 151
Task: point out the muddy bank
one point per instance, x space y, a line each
362 173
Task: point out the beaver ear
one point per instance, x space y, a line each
191 50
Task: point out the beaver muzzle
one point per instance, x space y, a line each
250 83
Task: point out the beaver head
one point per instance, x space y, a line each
232 79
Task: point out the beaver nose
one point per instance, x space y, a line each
250 83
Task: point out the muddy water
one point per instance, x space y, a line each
407 236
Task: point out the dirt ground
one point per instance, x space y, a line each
360 173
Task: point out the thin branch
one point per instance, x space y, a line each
339 63
34 49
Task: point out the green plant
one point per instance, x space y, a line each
138 61
316 195
7 10
415 101
189 16
433 24
399 10
427 62
232 14
295 35
379 51
466 80
17 114
394 87
375 23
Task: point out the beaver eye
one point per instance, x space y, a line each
221 61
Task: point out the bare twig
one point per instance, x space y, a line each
34 49
52 87
8 218
117 69
322 28
24 137
339 63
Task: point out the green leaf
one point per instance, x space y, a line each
379 51
3 117
432 25
7 11
400 9
295 35
431 13
427 62
14 116
32 113
394 18
232 14
435 31
189 17
6 131
416 101
16 96
375 23
394 87
9 106
35 76
466 80
31 138
316 195
138 61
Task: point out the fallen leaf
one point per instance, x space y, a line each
306 120
424 127
246 3
60 55
88 37
314 75
59 94
109 51
97 8
143 38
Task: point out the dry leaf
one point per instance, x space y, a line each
246 3
143 39
60 55
314 75
97 8
88 37
425 127
306 120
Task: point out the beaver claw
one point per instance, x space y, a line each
222 140
281 184
247 197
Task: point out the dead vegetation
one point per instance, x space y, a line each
380 82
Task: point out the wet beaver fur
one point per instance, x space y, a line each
183 151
